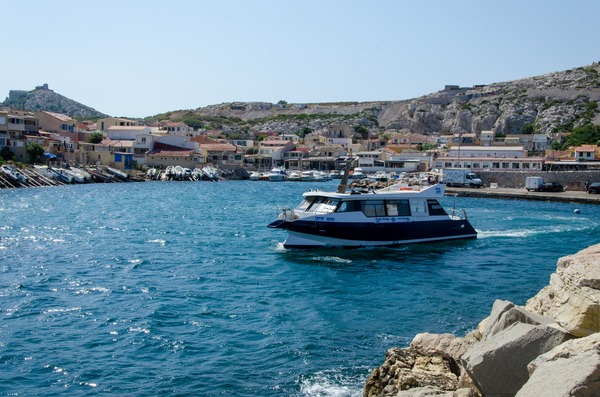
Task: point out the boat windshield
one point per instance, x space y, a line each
322 205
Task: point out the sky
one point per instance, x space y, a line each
138 58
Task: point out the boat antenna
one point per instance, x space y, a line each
344 182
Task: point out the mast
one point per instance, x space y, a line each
343 183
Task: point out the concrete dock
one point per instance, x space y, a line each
575 196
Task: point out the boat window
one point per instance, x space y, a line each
397 208
349 206
418 207
326 205
305 204
435 208
315 201
373 207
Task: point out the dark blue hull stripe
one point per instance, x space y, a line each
394 233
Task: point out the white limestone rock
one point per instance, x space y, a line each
575 376
498 364
573 296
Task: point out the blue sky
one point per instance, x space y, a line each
137 58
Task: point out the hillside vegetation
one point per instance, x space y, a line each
554 102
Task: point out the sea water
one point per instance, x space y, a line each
179 288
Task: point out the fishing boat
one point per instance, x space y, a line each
278 174
335 174
358 174
391 216
14 173
255 176
210 173
307 176
117 173
294 176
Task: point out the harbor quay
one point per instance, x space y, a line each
569 196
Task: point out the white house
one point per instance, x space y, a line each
126 132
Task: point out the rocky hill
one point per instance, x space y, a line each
43 98
552 102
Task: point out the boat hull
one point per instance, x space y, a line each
311 234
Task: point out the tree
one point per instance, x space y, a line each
528 128
304 131
555 145
362 130
34 150
426 146
7 154
585 135
95 137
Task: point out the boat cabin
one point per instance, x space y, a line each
315 205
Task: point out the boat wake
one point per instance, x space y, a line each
332 383
520 233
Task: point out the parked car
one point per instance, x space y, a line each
552 187
594 187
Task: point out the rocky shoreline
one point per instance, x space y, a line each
549 347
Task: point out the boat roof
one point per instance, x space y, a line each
396 191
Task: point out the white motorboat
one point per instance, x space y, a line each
294 176
117 173
391 216
307 176
14 173
210 173
335 174
278 175
255 176
358 174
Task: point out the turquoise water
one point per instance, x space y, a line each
179 288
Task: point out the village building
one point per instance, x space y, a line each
126 132
104 124
223 155
177 128
323 158
275 149
163 155
483 158
339 134
293 158
12 134
58 123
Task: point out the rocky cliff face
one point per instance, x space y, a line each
553 102
550 347
43 98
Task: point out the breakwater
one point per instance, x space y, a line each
548 347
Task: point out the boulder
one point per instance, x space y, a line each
573 296
568 349
498 364
575 376
445 343
410 368
505 313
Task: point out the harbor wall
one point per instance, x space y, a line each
571 180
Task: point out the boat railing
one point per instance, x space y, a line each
460 214
287 214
